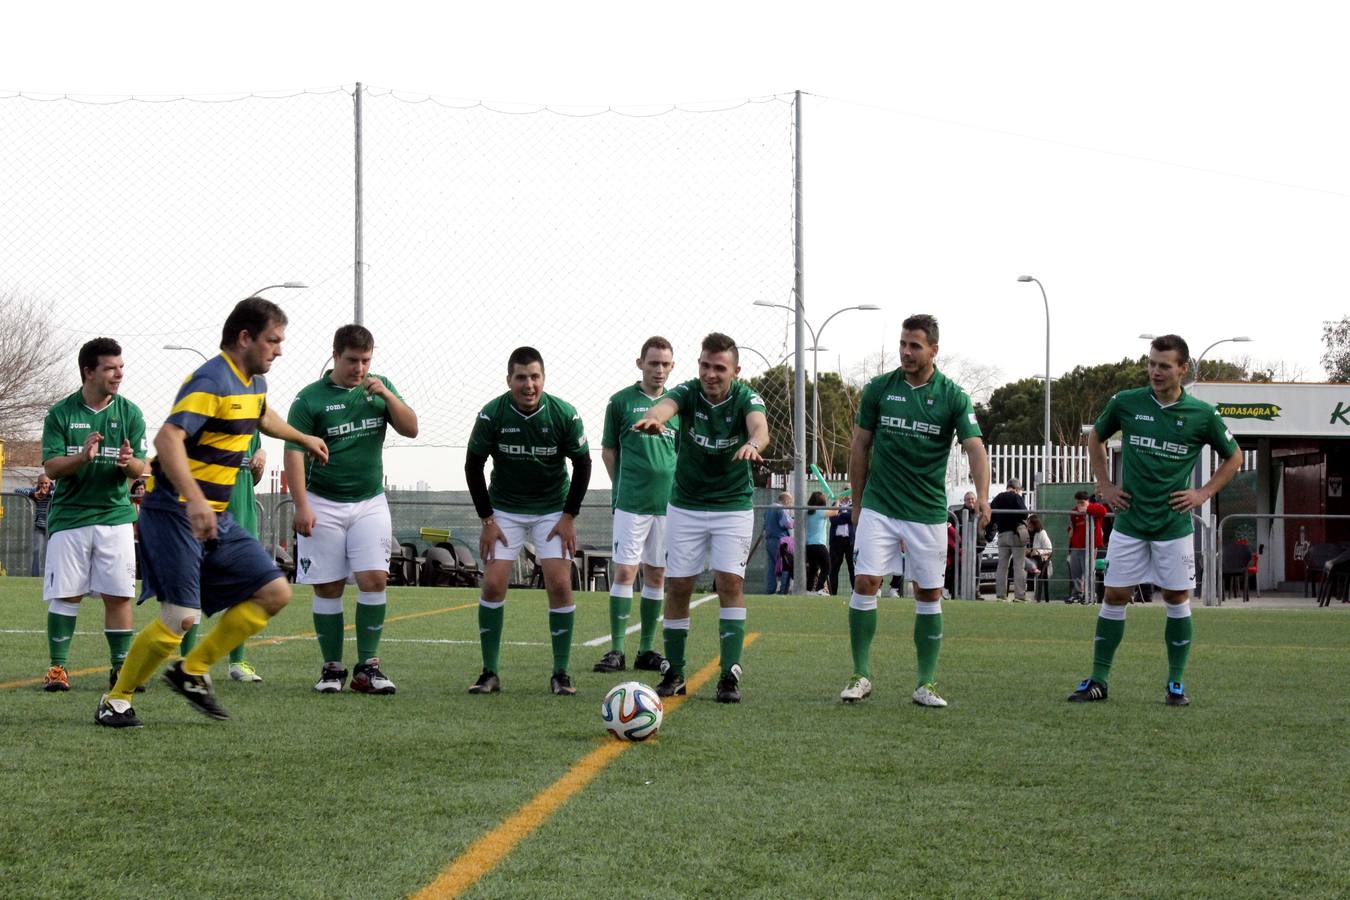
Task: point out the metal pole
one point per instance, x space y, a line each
799 354
360 262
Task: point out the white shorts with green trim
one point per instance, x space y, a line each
639 538
1169 565
347 538
885 546
94 559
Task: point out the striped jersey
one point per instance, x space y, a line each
219 410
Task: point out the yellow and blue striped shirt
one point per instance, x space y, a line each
219 410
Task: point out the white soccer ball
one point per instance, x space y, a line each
632 711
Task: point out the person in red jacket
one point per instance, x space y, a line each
1084 507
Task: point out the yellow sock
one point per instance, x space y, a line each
237 624
152 646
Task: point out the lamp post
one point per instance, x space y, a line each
1045 474
1241 339
188 349
292 285
815 349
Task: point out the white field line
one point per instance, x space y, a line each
604 638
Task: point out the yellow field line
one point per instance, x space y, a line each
257 642
483 855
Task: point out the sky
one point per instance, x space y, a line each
1166 168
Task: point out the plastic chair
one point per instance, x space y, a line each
438 568
1236 558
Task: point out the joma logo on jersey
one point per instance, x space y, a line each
1141 417
523 450
906 425
510 430
74 426
1152 443
713 443
335 407
897 397
351 427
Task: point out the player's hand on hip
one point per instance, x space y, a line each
489 538
1187 500
202 518
303 520
1113 495
986 513
124 454
91 445
316 448
566 529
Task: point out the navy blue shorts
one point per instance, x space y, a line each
210 576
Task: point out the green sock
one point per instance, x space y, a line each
732 635
560 630
189 640
675 639
1178 634
119 644
650 614
237 654
620 610
1104 644
369 624
927 645
862 628
490 634
60 631
330 627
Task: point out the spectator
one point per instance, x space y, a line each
777 525
841 543
1012 541
953 541
817 544
1038 555
41 495
1084 506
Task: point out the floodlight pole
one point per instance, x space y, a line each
799 355
360 260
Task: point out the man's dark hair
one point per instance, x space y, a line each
721 343
656 341
523 356
1082 495
1164 342
353 337
92 350
253 315
925 323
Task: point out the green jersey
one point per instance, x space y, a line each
645 466
242 506
1159 447
706 476
529 476
97 493
353 424
912 429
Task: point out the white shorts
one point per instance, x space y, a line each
518 528
881 540
347 538
697 540
639 539
95 559
1169 565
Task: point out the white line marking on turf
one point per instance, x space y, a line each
596 642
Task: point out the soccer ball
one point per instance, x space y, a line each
632 711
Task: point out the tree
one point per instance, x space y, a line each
35 374
1336 356
838 406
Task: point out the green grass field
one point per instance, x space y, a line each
1008 792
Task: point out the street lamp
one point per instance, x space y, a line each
188 349
1242 339
285 284
815 349
1046 467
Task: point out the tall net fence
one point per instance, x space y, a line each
483 229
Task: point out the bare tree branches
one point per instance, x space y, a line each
37 367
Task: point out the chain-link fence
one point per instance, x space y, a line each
482 230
